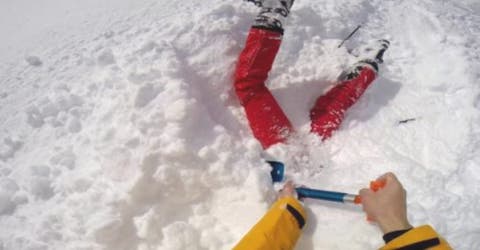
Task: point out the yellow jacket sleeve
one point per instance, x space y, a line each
423 237
279 229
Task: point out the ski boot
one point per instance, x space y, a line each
369 55
258 3
273 14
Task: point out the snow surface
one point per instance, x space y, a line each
119 128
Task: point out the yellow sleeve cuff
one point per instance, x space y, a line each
418 236
279 228
292 202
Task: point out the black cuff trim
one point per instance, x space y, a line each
372 63
297 216
278 30
392 235
422 245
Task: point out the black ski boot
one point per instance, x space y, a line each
258 3
369 55
273 14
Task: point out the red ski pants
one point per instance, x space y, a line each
267 120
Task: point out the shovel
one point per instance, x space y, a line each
277 173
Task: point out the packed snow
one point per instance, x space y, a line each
119 128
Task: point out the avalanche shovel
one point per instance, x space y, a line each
277 173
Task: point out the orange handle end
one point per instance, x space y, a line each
377 185
357 200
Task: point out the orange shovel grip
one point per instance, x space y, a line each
377 185
374 186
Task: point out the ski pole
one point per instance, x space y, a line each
349 36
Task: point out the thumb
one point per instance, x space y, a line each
365 192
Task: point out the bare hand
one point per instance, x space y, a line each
288 190
388 205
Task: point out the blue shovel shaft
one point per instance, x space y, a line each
326 195
278 169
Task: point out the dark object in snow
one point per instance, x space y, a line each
406 121
34 61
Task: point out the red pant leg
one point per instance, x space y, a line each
329 109
268 122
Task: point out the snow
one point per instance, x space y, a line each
120 129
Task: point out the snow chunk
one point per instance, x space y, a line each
8 188
54 111
149 46
65 159
34 117
145 95
41 188
177 111
7 206
118 165
4 170
106 58
108 34
9 148
9 185
43 171
74 125
34 61
104 231
180 236
146 224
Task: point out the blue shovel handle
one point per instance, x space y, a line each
277 173
326 195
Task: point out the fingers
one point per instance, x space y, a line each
387 176
365 192
289 185
287 190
